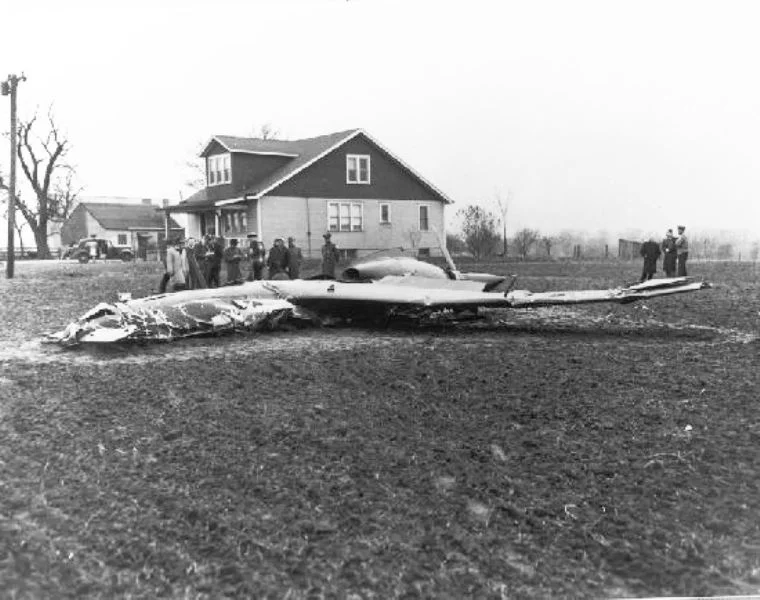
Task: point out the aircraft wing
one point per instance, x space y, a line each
623 295
261 305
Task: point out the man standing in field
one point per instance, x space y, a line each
257 255
232 257
213 261
295 256
650 250
176 266
668 247
682 250
278 260
330 256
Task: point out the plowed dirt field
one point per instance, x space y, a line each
600 451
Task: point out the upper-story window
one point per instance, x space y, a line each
218 169
424 217
357 168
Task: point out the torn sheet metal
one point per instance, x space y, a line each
170 317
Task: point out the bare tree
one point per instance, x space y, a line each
42 162
18 224
547 242
503 209
455 243
524 240
196 174
65 194
266 131
479 230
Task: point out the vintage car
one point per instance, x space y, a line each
105 250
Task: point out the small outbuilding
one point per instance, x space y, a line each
143 227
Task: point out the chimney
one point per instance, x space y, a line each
165 202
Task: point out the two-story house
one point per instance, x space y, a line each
345 183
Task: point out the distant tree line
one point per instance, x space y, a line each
481 238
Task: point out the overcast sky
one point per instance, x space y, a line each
604 115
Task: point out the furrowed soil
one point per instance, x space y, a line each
585 452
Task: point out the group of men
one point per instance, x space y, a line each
673 249
282 262
198 263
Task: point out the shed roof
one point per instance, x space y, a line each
128 216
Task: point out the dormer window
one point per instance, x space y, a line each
357 168
218 169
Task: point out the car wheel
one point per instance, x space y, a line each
83 258
126 257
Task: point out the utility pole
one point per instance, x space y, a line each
8 88
504 208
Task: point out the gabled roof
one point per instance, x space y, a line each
304 153
128 216
232 143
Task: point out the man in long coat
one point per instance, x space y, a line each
650 250
668 248
295 257
213 261
176 265
232 257
330 256
278 260
682 250
257 256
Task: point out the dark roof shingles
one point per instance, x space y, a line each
306 150
128 216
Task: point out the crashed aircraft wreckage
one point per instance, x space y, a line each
375 293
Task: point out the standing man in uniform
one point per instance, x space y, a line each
330 256
295 257
256 254
682 250
668 248
213 261
278 260
232 256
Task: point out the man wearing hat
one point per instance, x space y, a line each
278 260
668 247
176 265
330 256
213 261
232 257
295 256
257 255
682 250
650 250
